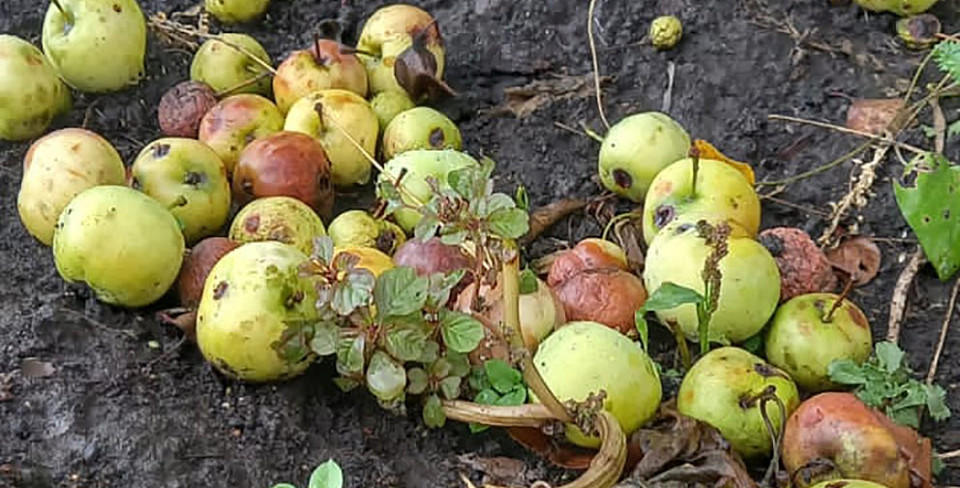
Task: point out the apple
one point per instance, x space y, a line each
431 256
32 93
197 264
722 389
388 104
57 167
590 253
325 115
323 66
282 219
182 108
540 310
285 164
804 268
387 34
636 149
358 228
721 190
230 70
96 45
236 11
749 288
803 341
417 166
188 178
237 121
420 128
608 296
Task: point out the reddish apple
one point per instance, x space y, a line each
323 66
237 121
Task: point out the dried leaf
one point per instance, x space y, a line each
561 454
858 257
873 115
35 368
545 217
500 470
707 151
521 101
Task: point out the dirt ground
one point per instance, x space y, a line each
117 412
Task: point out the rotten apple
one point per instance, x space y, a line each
197 264
607 296
237 121
282 219
183 106
391 31
431 256
323 66
420 128
590 253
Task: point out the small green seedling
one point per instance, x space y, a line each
326 475
497 383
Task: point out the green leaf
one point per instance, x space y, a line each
417 380
292 345
406 343
327 475
669 296
461 332
453 236
754 344
890 356
846 372
450 387
936 403
487 397
459 364
350 356
932 208
909 417
495 203
642 328
323 249
326 336
353 292
385 377
433 414
528 282
431 352
439 287
947 57
522 198
399 291
516 396
502 376
346 384
478 379
440 368
426 228
509 223
467 182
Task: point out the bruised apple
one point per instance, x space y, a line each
333 117
721 190
282 219
590 253
285 164
359 228
387 34
636 149
323 66
417 166
197 264
228 66
608 296
432 256
237 121
420 128
188 178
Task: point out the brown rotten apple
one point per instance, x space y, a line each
197 264
237 121
608 296
285 164
183 106
324 65
588 254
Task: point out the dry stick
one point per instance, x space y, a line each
948 455
169 25
56 3
939 125
819 169
241 85
797 206
846 130
943 333
898 303
855 197
596 65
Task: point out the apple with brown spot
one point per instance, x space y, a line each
324 65
237 121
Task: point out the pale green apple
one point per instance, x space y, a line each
230 68
389 32
282 219
31 94
388 104
357 228
420 128
636 149
236 11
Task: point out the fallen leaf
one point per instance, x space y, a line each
873 115
858 257
546 216
707 151
932 208
521 101
35 368
499 470
560 454
6 386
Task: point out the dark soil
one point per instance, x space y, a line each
117 412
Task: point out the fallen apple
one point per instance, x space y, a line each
540 310
197 264
417 166
749 287
431 256
57 167
607 296
420 128
804 268
636 149
123 244
359 228
368 258
590 253
388 104
188 178
31 91
250 298
235 64
236 11
282 219
848 484
726 388
902 8
285 164
387 34
237 121
323 66
96 45
583 358
807 334
183 106
721 190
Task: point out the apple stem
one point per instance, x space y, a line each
56 3
685 358
695 155
843 295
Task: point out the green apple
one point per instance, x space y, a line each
323 66
187 177
56 168
636 149
31 94
420 128
388 104
236 11
902 8
228 68
282 219
96 45
357 228
582 358
749 288
722 389
420 164
720 190
387 34
803 341
237 121
123 244
325 115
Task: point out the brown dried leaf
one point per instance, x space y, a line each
858 257
874 115
546 216
521 101
561 454
500 470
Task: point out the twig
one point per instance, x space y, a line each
574 130
668 94
948 455
596 65
797 206
98 324
939 125
819 169
591 133
177 29
241 85
898 303
847 130
856 196
943 333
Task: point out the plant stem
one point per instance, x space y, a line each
776 435
56 3
695 155
539 387
843 296
596 65
685 357
511 298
